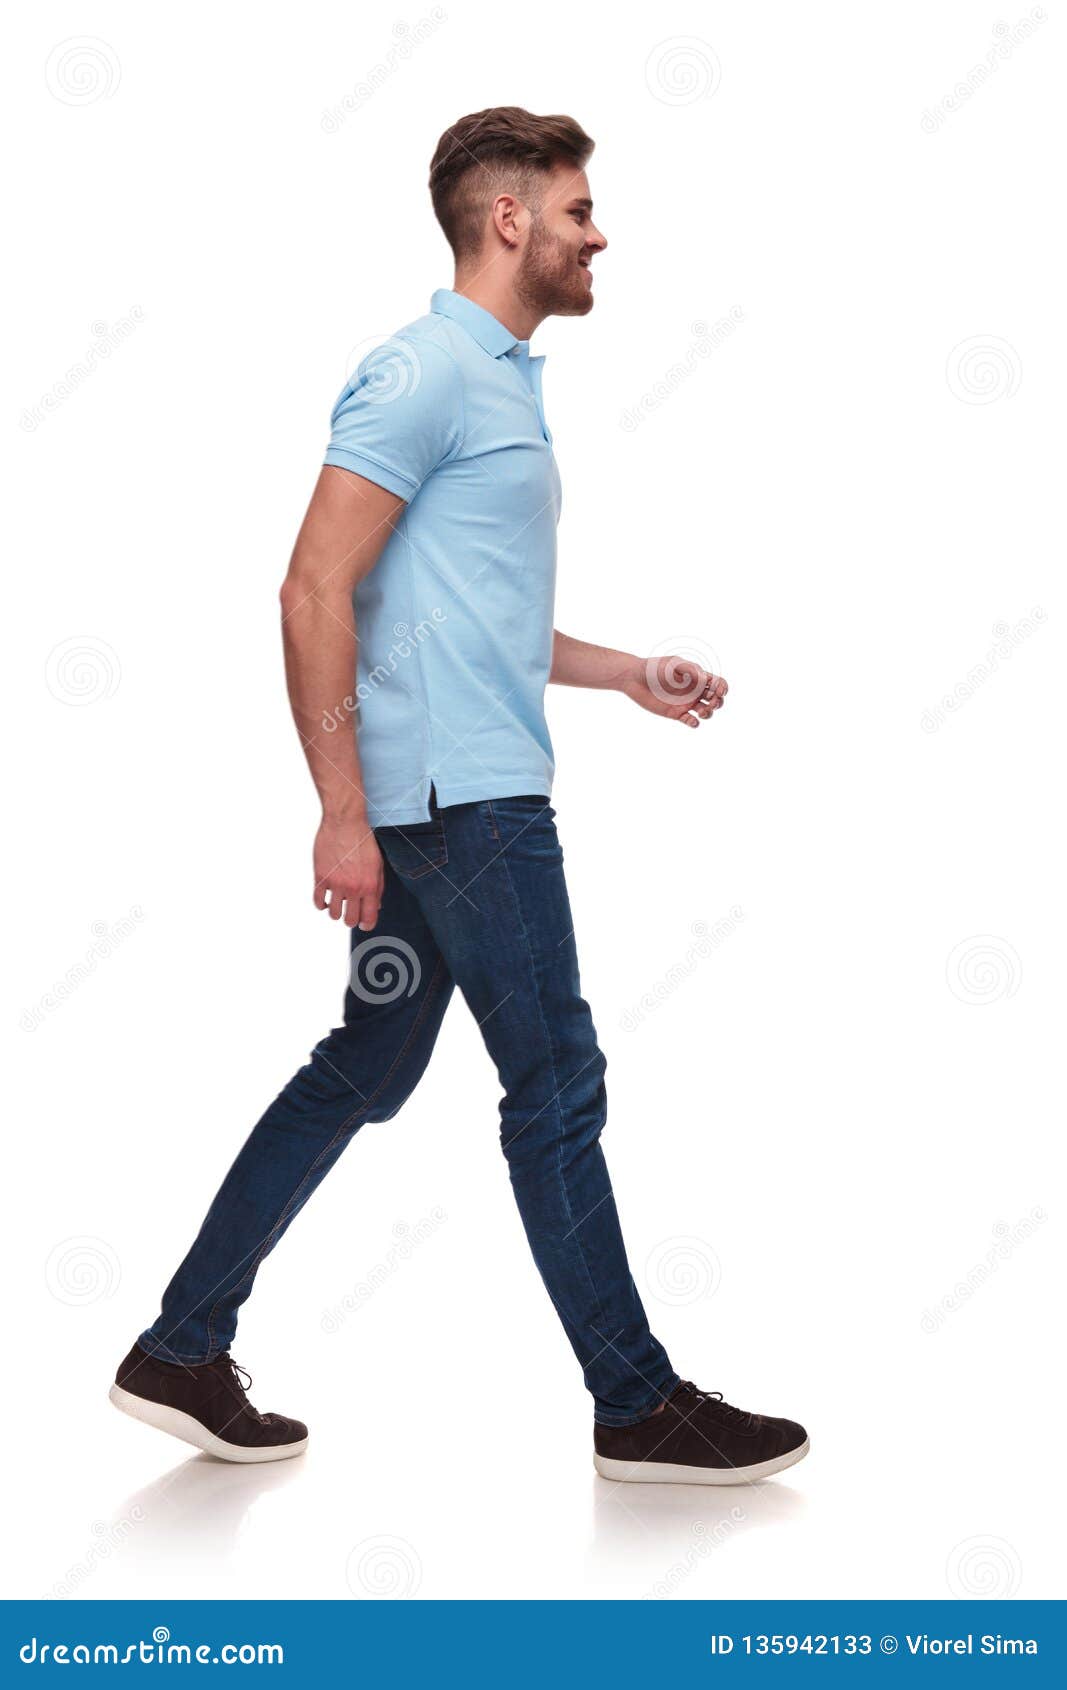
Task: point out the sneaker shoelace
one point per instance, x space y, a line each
723 1411
239 1379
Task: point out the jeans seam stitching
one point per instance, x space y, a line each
555 1077
432 989
265 1247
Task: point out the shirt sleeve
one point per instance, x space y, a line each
400 416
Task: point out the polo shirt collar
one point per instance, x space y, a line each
486 329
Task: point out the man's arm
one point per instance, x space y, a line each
675 687
347 524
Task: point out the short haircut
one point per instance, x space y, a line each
501 150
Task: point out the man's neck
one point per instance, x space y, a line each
482 288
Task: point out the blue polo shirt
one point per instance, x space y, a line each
455 619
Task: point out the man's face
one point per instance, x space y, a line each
554 274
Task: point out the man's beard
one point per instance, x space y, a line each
550 280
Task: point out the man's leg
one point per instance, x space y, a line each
363 1071
496 901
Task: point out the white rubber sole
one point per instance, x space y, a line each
190 1431
670 1473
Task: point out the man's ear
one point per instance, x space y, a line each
505 214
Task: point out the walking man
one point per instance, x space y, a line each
419 639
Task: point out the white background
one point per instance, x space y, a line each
823 1128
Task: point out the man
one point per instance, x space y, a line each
425 568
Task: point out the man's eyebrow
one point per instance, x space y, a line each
587 205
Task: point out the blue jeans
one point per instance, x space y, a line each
474 897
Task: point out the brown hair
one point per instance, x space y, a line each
500 150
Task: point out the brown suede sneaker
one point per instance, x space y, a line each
697 1439
205 1406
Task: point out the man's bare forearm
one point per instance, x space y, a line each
320 644
576 663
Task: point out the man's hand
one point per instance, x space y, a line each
675 687
349 874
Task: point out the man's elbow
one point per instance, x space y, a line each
313 583
305 576
291 594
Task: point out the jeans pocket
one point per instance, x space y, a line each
524 826
415 849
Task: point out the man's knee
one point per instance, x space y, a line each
569 1112
338 1074
388 1103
